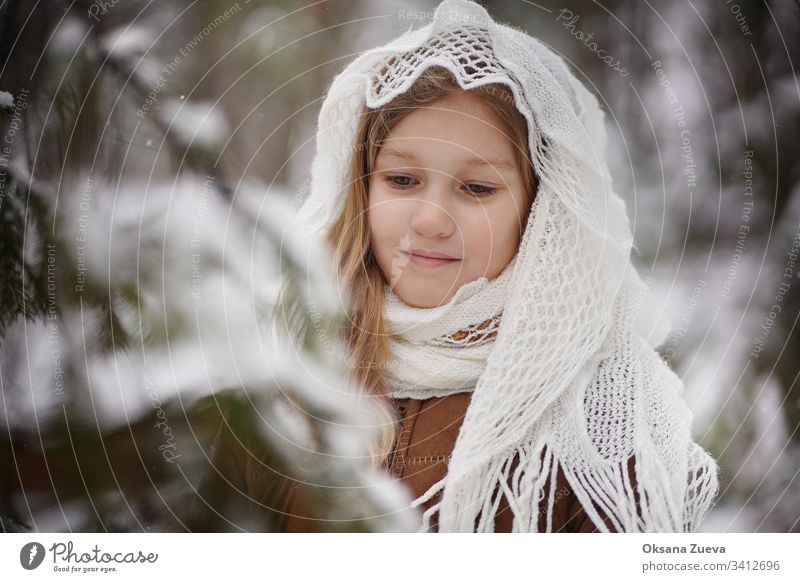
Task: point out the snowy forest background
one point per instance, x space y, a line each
152 153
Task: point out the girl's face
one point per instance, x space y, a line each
446 200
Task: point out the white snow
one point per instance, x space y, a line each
6 100
128 41
195 123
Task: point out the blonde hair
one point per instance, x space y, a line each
365 333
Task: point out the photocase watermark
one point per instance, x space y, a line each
66 554
53 336
321 331
169 68
687 154
506 96
338 350
741 19
647 280
416 15
446 15
341 157
80 237
197 235
744 226
560 494
390 364
66 559
400 258
20 103
31 555
677 334
168 449
788 276
152 97
569 19
100 7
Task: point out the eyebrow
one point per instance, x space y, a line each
389 152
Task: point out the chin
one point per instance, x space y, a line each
423 301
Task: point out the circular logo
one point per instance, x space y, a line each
31 555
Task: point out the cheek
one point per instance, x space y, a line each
494 237
383 222
478 239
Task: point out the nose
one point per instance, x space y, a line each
432 219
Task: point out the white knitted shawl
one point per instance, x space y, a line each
425 359
572 380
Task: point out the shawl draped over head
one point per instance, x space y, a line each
573 380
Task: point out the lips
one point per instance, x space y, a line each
432 255
430 258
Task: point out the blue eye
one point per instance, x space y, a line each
482 191
400 182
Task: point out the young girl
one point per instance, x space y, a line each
460 181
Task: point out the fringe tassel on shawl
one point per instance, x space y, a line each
605 494
426 516
611 492
523 491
